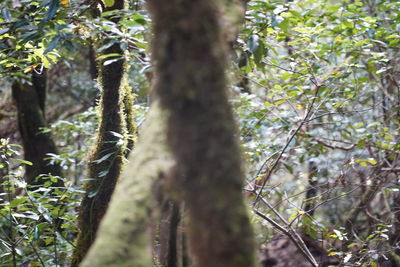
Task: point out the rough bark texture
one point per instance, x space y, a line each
129 113
167 251
124 234
311 190
189 52
395 237
30 102
115 135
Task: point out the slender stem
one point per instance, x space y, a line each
37 254
289 232
292 136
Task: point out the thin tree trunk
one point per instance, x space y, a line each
124 237
114 141
311 190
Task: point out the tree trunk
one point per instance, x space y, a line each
114 141
190 52
30 102
311 191
167 235
124 234
190 120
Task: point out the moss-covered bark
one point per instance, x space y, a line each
194 126
190 53
114 141
124 235
129 113
30 102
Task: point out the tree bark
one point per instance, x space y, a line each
124 234
30 101
114 141
188 148
190 52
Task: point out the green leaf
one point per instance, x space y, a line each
3 31
107 45
110 61
6 14
253 43
24 162
288 167
108 56
53 44
19 24
104 158
16 201
109 3
52 9
93 193
36 233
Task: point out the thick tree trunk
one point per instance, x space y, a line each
30 102
189 51
190 55
114 141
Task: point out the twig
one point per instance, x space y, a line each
265 177
289 232
334 146
37 254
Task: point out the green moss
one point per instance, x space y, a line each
114 139
193 125
123 238
129 114
190 51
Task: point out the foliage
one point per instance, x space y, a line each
74 139
314 85
323 91
36 222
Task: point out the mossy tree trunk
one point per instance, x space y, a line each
114 141
30 101
188 149
124 237
190 53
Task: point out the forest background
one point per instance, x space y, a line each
314 90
